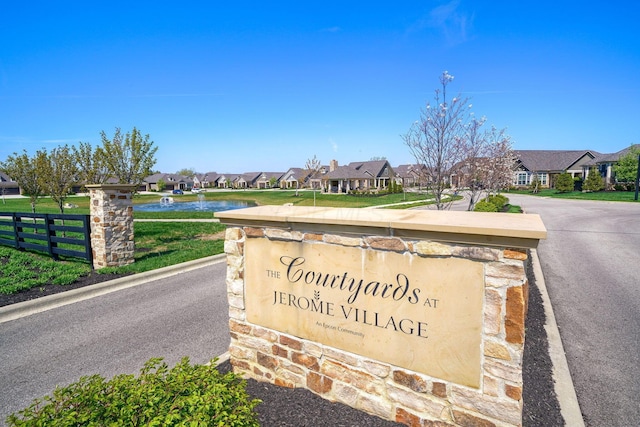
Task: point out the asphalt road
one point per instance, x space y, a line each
184 315
591 264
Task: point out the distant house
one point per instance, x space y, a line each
303 178
8 187
605 163
548 164
294 178
411 175
170 182
205 180
373 175
269 180
247 180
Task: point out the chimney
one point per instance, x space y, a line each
333 165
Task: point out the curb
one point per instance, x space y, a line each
563 384
38 305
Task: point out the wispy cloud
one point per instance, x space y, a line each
334 145
30 142
331 30
453 23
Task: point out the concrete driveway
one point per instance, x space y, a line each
591 263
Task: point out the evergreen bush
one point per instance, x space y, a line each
498 200
184 395
594 181
564 182
484 206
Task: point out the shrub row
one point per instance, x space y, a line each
184 395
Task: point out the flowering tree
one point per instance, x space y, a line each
488 167
434 139
450 141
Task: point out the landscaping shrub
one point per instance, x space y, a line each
498 200
564 183
185 395
594 181
484 206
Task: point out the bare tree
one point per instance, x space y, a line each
312 167
61 172
29 173
471 170
435 139
129 158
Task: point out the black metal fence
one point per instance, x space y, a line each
55 234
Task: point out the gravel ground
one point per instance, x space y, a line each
300 407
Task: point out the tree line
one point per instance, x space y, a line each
124 158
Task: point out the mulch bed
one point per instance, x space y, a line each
42 291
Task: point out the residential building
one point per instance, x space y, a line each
8 187
548 164
170 181
605 162
357 176
269 180
205 180
414 175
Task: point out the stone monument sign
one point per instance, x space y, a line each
410 315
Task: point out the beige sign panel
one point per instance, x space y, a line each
422 314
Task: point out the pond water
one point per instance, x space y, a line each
200 205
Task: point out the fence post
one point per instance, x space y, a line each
111 214
48 223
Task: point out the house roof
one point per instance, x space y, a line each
552 160
6 181
406 170
295 174
360 170
270 175
167 177
614 157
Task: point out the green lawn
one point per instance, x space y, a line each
611 196
260 197
26 270
157 244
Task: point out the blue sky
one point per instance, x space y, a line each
264 86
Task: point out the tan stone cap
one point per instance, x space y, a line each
493 229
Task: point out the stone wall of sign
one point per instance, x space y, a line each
419 331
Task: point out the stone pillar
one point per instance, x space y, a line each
111 212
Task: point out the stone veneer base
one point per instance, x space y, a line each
373 386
